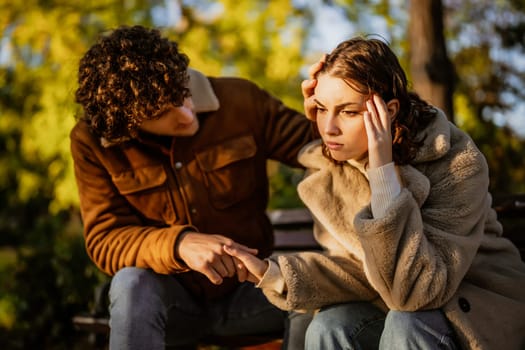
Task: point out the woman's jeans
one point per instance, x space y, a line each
152 311
360 326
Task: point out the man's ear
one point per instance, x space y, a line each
393 108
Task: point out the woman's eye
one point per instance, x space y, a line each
349 113
321 109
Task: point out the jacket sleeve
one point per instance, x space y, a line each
316 279
286 130
419 252
115 234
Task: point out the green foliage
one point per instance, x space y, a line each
489 83
43 291
504 151
283 183
258 40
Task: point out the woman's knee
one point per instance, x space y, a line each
324 332
426 329
321 324
346 326
400 322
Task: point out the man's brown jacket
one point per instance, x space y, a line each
137 197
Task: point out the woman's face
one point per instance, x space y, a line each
174 121
340 118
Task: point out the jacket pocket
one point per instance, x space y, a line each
229 170
147 191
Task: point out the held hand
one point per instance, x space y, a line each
255 266
204 253
308 89
378 123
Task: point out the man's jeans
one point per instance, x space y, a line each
152 311
362 326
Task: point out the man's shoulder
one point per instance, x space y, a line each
80 130
229 82
81 133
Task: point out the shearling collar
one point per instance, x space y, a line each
202 94
437 140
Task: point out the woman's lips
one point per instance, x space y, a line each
333 145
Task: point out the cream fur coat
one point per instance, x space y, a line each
439 245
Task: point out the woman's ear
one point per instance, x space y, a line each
393 108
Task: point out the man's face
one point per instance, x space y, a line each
174 121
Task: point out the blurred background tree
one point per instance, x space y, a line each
45 275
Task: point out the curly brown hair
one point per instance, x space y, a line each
370 66
127 77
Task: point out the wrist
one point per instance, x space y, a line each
178 241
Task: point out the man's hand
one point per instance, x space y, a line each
308 89
204 253
255 266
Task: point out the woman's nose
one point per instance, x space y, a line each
330 126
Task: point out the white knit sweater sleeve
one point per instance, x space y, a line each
273 278
385 186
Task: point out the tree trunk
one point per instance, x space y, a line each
431 69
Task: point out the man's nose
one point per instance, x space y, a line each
186 115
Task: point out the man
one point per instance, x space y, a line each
171 166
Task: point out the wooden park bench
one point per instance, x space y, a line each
293 232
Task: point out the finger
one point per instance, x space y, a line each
382 110
213 276
308 87
368 124
372 116
229 264
241 271
244 248
316 67
231 243
233 251
220 268
240 254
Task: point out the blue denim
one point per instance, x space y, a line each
422 330
152 311
362 326
296 325
345 326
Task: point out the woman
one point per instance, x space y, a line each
414 257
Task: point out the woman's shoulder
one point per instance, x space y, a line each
436 139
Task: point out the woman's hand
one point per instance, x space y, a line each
378 121
308 89
255 267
